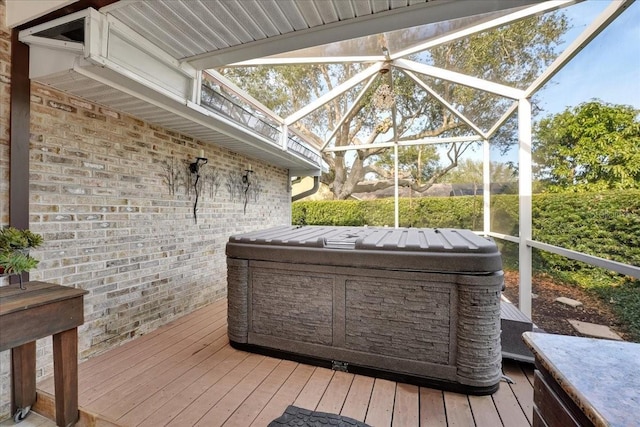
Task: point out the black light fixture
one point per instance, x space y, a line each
200 161
246 181
194 168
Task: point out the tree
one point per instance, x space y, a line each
513 54
594 146
472 172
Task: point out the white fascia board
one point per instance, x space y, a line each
542 7
444 102
305 172
96 33
422 141
131 75
112 44
600 23
463 79
46 62
348 112
126 33
337 91
74 47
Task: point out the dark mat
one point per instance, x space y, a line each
294 416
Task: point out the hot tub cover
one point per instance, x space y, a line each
421 249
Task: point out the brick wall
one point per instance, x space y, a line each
113 198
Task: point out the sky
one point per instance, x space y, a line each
607 69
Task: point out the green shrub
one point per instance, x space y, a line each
327 212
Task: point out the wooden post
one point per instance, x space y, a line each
23 379
65 363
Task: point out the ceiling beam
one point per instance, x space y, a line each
463 79
444 102
336 91
344 117
538 8
408 143
395 19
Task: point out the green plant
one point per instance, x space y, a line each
14 250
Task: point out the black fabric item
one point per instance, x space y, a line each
294 416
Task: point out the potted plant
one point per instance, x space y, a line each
14 251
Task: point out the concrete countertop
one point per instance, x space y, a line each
601 376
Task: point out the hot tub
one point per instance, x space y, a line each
415 305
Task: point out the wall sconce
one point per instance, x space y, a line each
246 181
194 168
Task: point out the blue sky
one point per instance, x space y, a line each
607 69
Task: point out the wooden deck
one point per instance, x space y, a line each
186 374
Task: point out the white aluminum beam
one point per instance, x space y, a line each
459 78
444 102
506 237
524 197
618 267
486 186
396 195
502 119
335 92
539 8
348 112
389 144
307 60
243 94
376 23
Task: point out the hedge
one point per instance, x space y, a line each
601 224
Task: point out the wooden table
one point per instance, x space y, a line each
41 310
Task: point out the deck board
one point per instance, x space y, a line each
380 411
521 388
357 400
458 410
508 407
485 413
432 410
255 402
313 391
190 415
336 393
185 373
406 408
285 395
